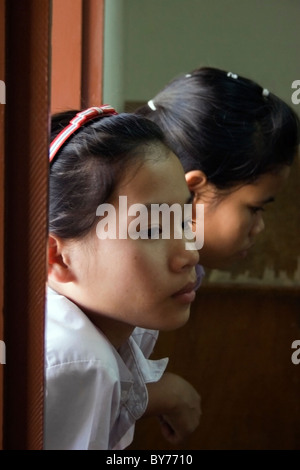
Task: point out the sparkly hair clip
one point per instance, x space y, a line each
79 120
151 105
265 92
232 75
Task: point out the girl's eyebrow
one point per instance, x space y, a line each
267 200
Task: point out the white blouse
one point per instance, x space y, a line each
94 393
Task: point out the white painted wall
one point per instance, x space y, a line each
114 54
148 42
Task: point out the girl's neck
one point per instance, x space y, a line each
116 331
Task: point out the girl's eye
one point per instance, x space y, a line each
257 209
187 224
151 233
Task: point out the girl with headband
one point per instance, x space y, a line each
107 297
236 142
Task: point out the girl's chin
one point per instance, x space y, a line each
243 254
177 322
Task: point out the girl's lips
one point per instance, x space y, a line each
187 294
244 253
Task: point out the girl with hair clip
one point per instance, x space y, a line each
108 297
236 142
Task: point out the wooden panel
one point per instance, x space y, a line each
236 350
26 182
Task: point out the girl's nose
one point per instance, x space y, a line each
258 226
184 254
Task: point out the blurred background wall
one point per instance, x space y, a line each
149 42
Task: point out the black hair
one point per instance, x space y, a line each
225 125
91 163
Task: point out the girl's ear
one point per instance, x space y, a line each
196 181
59 269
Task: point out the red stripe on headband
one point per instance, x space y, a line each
78 121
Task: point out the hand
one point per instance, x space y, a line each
177 404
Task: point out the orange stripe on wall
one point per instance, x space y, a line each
66 55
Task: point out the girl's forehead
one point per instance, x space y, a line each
267 185
156 180
272 179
